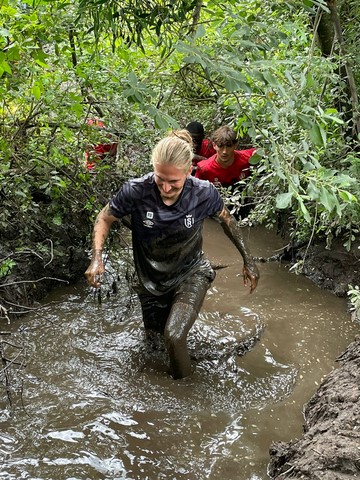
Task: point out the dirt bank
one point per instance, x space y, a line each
333 269
34 275
330 446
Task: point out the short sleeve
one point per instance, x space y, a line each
216 201
121 204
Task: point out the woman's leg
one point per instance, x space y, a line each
187 302
155 310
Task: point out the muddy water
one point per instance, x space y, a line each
96 402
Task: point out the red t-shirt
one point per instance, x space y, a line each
99 152
210 170
206 150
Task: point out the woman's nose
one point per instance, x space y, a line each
166 187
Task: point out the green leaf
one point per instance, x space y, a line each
343 180
313 191
304 120
333 119
347 196
318 135
5 67
4 32
289 76
308 167
41 63
283 200
304 210
327 199
235 80
295 180
190 59
315 161
161 122
258 75
271 80
255 159
36 91
233 85
77 108
57 220
200 32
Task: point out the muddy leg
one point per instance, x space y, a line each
155 312
181 318
184 311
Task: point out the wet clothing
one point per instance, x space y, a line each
156 309
213 172
166 239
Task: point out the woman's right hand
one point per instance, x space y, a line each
95 270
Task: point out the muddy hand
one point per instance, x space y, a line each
94 272
251 276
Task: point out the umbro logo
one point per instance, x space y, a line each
148 223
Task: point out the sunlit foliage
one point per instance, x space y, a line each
146 66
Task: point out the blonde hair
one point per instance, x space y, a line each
175 149
183 133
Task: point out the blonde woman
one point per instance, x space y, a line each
168 207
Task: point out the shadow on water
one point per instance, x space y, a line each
96 402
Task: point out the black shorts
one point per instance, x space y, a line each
156 309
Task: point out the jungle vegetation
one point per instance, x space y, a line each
284 74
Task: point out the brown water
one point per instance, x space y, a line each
94 402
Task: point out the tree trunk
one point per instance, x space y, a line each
328 29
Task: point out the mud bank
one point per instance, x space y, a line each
330 446
35 275
333 269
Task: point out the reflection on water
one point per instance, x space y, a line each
96 402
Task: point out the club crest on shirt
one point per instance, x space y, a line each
189 221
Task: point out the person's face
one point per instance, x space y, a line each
197 140
225 154
170 181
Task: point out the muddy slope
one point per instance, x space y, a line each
333 269
330 446
34 276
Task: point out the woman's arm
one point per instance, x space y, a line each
233 230
102 226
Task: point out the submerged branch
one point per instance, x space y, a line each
33 281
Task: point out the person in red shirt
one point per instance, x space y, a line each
228 166
203 148
100 151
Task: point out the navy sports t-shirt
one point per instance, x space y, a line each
167 239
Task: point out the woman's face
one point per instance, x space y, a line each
170 181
